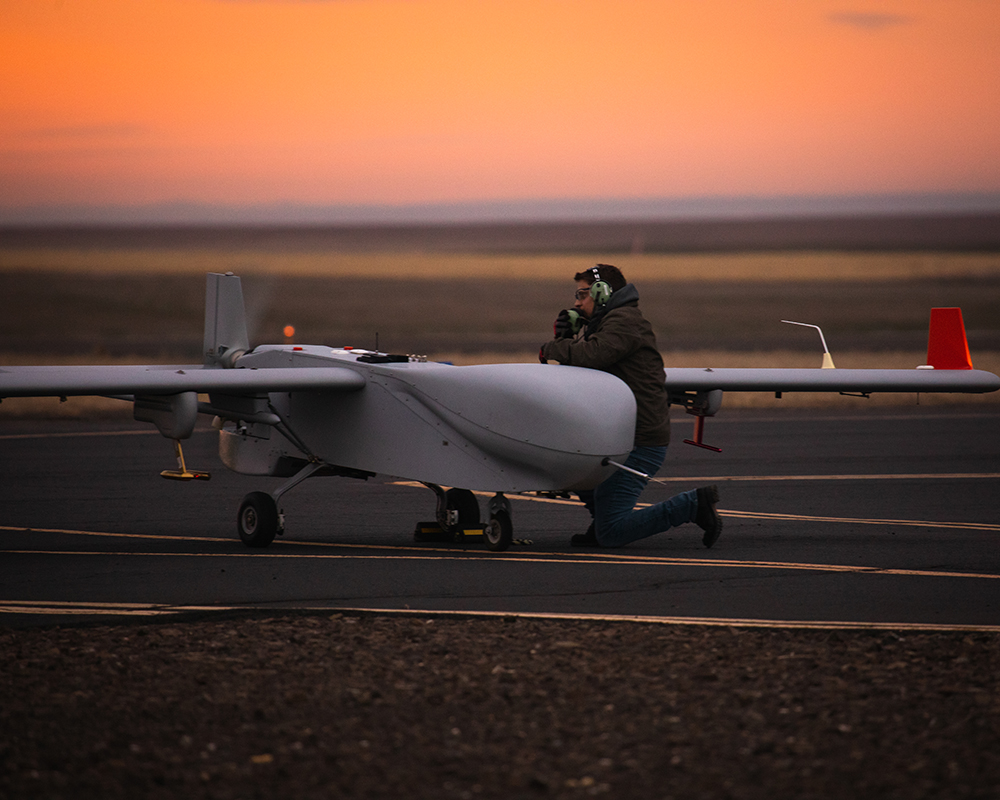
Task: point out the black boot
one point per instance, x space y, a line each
707 518
588 539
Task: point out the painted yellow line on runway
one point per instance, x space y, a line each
735 622
802 566
109 534
449 553
77 608
52 608
267 556
912 476
536 558
764 515
75 434
913 523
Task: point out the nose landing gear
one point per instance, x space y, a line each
258 520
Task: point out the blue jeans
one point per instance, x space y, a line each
612 503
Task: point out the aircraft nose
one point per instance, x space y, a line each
566 409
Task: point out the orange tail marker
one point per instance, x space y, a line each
947 347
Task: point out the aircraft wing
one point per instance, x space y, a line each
948 369
162 380
862 381
66 381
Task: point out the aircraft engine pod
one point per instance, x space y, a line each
174 415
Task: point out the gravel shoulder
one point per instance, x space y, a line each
381 705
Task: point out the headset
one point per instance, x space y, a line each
600 290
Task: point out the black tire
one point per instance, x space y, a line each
500 532
465 503
257 522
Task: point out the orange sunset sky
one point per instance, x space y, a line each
400 102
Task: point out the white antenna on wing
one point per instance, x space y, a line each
827 358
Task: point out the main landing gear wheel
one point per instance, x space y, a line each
464 502
257 521
500 532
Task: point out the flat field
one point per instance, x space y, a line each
101 303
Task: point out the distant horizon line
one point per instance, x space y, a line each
551 210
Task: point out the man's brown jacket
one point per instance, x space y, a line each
619 339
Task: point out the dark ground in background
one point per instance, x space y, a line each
162 315
956 232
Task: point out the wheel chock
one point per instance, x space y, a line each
432 532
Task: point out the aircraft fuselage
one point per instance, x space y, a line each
490 427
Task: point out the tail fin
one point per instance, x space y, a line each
947 347
225 320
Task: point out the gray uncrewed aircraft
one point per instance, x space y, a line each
299 411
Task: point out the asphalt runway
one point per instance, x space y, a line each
873 518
